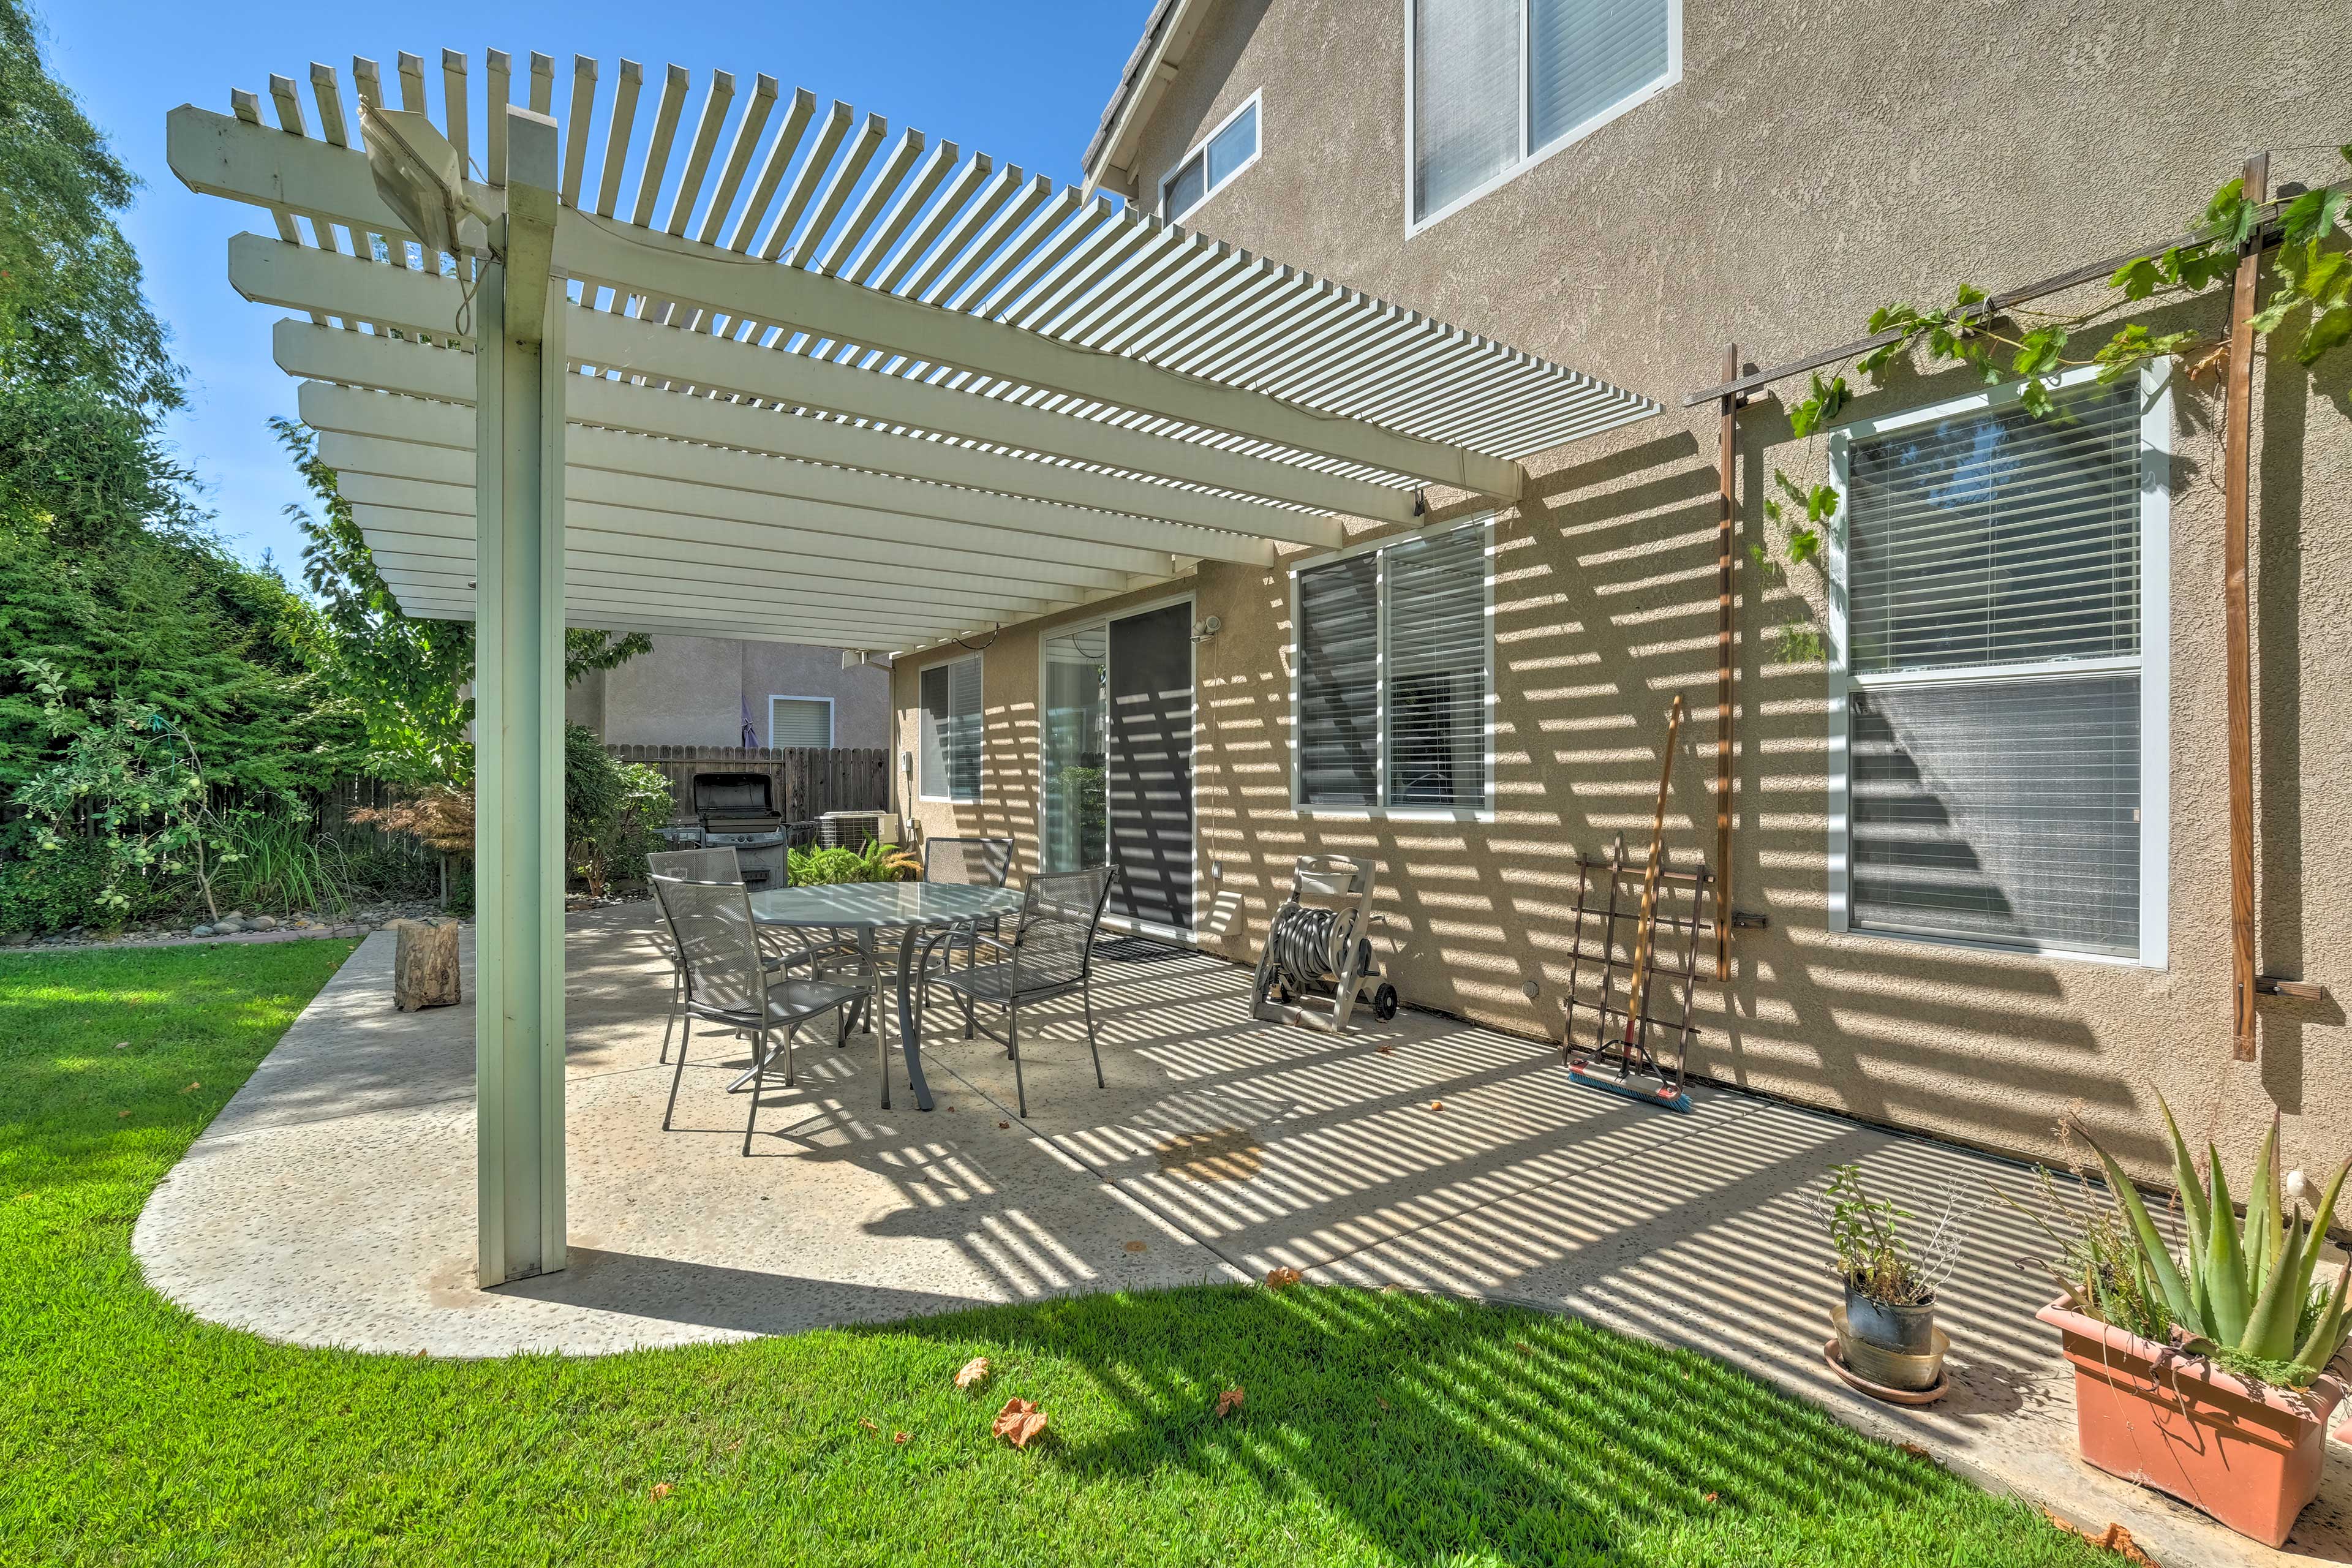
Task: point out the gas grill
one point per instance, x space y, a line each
737 811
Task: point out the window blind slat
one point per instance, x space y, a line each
1437 671
952 731
2004 810
1339 683
1587 55
1997 808
1465 107
1996 537
799 722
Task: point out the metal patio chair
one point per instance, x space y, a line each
1050 954
729 982
970 863
785 949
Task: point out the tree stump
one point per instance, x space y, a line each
425 964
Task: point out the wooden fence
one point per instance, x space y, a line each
808 781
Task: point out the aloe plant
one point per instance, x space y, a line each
2241 1293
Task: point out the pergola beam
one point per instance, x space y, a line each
680 268
297 278
1150 515
909 510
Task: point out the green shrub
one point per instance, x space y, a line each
611 809
877 862
44 890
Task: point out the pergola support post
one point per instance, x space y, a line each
518 725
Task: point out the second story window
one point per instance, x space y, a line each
1495 85
1226 151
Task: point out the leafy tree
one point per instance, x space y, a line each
108 573
405 678
85 377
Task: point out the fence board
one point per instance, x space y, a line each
808 781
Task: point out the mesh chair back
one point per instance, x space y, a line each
696 865
1059 910
717 943
969 862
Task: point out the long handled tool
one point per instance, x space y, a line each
1627 1049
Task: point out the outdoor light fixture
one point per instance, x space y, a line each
423 181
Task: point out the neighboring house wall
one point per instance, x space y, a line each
1811 163
694 692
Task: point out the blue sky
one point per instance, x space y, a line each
1024 82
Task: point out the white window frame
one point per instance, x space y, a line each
1527 159
922 783
1201 149
2153 663
832 730
1484 810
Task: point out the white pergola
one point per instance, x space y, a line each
775 373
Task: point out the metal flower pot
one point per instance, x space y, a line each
1905 1331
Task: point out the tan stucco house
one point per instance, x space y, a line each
706 691
1979 802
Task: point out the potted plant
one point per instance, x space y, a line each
1886 1333
2202 1371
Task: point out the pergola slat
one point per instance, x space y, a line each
1033 392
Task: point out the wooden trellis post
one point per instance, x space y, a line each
1726 532
2236 490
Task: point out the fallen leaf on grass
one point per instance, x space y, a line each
1385 1050
1003 1125
120 1115
122 1044
1523 1347
1913 1449
974 1370
1281 1279
1437 1105
1709 1498
192 1088
662 1490
898 1437
869 1425
1381 1402
1229 1401
1018 1422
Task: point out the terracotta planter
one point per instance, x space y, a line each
2153 1415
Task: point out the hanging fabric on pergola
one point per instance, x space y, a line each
840 387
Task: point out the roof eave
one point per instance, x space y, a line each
1158 58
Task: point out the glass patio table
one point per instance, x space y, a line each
868 910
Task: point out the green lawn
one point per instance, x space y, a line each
1376 1427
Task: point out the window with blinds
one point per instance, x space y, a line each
1391 663
800 721
952 731
1228 149
1992 675
1496 84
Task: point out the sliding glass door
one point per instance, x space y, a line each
1117 779
1077 723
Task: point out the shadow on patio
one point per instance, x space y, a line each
1424 1153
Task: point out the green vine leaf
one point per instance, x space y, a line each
2328 328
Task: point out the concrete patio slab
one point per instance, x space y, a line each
332 1201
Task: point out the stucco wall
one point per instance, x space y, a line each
692 691
1815 162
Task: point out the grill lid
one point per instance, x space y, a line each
734 795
